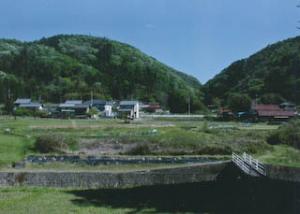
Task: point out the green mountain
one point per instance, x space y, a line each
271 75
71 66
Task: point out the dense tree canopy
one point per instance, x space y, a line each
271 75
239 102
69 66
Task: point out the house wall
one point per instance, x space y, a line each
107 110
137 110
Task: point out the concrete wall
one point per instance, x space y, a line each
95 179
283 173
194 173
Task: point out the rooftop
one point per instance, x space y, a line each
30 105
22 101
266 107
73 102
129 102
269 110
95 102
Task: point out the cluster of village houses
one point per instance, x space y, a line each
131 109
80 109
284 111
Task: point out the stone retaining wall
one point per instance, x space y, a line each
94 160
88 179
94 179
283 173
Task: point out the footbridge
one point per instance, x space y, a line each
249 165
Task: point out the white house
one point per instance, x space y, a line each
108 110
105 107
130 108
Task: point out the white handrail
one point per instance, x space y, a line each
247 163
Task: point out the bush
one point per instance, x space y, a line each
93 111
23 112
42 114
53 143
214 150
30 113
142 149
288 134
255 146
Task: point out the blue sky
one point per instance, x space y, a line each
199 37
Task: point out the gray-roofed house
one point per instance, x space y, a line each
28 104
103 106
131 109
70 103
73 108
288 106
99 104
20 101
32 106
74 102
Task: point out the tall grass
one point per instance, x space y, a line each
13 149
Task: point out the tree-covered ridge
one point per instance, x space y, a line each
272 75
71 66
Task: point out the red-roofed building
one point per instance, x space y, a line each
272 111
151 107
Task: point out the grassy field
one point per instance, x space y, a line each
144 137
13 148
46 200
214 197
281 155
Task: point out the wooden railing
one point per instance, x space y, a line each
248 164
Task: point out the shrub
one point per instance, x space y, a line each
214 150
142 149
255 146
54 143
23 112
93 111
42 114
287 134
31 113
205 127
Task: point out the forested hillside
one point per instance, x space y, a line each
71 66
271 75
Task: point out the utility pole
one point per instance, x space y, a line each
189 105
256 99
92 98
8 93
